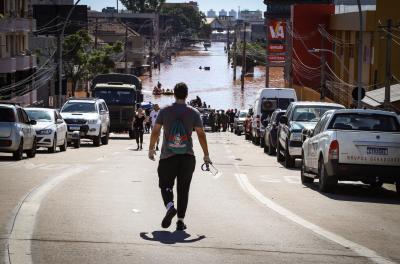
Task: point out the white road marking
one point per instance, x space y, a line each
136 211
359 249
19 243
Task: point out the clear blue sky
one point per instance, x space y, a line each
203 4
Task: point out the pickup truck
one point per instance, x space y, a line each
299 116
352 145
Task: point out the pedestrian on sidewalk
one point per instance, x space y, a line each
153 117
177 160
138 126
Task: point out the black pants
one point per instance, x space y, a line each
180 167
139 137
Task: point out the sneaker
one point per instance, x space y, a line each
166 222
180 225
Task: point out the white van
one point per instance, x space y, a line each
267 101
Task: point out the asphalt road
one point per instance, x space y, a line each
102 205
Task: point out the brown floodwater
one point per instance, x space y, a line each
216 87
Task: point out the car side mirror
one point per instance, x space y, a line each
283 120
59 121
32 122
310 132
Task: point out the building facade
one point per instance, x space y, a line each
211 13
222 13
17 63
251 16
233 14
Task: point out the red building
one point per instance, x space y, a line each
304 31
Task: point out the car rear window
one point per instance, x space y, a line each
365 122
7 115
79 107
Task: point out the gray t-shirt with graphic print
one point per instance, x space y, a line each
190 118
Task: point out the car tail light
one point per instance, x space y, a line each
334 150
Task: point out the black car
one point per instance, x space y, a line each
271 132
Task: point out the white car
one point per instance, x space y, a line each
51 129
353 145
238 123
89 117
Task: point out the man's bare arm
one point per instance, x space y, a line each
203 140
155 134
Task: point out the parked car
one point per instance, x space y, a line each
238 123
353 145
204 113
51 130
247 124
266 102
271 132
89 116
299 115
17 134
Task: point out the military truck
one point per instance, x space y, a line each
123 94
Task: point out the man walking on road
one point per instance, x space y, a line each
177 158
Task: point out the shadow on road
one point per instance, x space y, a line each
166 237
360 193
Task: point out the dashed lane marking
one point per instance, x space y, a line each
359 249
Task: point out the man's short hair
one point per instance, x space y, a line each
181 91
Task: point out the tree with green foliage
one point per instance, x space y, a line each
81 61
186 19
143 6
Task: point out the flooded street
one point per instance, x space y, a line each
216 87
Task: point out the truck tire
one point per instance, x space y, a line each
289 160
326 183
304 179
105 139
97 139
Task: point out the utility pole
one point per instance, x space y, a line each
95 33
289 56
243 56
60 54
235 54
360 55
267 55
323 63
388 80
126 48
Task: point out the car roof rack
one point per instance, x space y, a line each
10 103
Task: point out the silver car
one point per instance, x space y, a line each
17 134
51 129
238 124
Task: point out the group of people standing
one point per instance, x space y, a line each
143 122
222 120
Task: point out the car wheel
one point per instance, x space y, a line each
77 143
289 160
279 156
271 150
97 139
19 153
304 179
32 152
104 140
326 183
64 146
54 147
